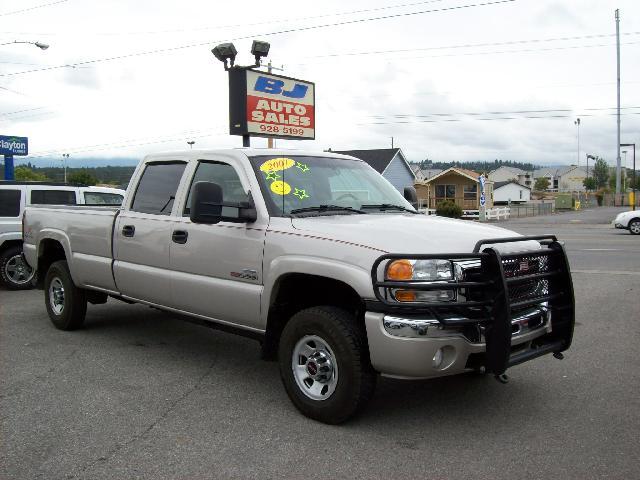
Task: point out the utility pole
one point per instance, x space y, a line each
577 123
633 182
65 158
618 112
391 142
271 68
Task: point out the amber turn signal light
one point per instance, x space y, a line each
400 270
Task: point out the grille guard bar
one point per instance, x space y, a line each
495 297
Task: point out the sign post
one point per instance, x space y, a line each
272 106
483 201
10 146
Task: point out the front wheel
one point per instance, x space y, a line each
634 226
324 364
66 304
15 273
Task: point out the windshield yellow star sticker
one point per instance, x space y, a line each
301 194
302 167
272 175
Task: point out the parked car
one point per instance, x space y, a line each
14 197
319 258
629 221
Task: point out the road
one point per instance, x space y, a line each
139 394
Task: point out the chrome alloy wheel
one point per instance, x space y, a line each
18 271
314 367
634 227
56 296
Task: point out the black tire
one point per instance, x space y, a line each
634 226
15 273
66 312
347 345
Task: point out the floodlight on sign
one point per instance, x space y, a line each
259 49
225 52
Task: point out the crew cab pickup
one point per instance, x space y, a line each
319 258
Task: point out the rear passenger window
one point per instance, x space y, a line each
224 175
53 197
9 203
157 188
102 198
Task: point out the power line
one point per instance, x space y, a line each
494 52
128 143
33 8
525 117
551 110
471 45
280 32
269 22
21 111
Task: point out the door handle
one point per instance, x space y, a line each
180 236
128 230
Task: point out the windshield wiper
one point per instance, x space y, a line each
326 208
388 206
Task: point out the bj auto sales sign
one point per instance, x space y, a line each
267 105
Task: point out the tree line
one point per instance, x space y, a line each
109 175
477 166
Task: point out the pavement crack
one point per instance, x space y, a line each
120 446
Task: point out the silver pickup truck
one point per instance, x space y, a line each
319 258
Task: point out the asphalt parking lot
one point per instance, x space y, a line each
139 394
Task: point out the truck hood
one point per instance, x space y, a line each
408 233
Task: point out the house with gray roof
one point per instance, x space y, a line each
389 162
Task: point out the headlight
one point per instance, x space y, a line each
428 271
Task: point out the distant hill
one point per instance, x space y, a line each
111 174
77 161
478 166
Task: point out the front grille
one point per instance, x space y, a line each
523 276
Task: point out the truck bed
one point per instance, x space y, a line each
86 234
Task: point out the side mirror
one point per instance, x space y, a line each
208 206
206 203
411 196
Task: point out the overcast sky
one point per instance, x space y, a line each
448 79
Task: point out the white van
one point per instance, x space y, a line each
15 274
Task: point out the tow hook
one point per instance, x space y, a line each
558 355
502 378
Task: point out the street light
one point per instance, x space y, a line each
633 185
65 158
40 45
190 143
589 156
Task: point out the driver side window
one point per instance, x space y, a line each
224 175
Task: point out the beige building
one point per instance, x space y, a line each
459 185
563 179
507 174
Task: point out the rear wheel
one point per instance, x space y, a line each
15 272
66 304
634 226
324 364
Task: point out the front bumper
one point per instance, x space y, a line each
415 348
618 225
509 308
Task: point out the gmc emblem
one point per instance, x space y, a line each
524 266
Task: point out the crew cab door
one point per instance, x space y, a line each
218 268
142 235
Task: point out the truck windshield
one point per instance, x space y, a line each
294 185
